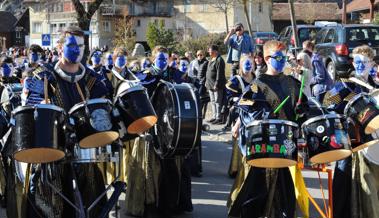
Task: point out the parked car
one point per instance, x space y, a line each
335 44
261 37
304 32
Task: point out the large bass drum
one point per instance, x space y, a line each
179 119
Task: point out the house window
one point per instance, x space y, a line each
18 34
187 6
203 7
53 28
106 26
138 22
93 27
61 26
37 27
260 7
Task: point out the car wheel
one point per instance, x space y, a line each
331 68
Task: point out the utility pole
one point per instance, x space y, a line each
293 23
344 12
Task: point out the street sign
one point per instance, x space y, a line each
46 39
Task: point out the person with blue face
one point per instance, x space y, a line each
357 172
95 60
69 83
261 97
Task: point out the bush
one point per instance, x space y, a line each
158 35
202 43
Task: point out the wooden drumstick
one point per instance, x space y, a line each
80 91
46 92
361 83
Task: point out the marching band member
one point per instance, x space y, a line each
266 192
71 80
354 187
234 89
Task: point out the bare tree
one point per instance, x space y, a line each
124 34
224 6
244 4
84 18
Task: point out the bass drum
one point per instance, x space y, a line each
179 119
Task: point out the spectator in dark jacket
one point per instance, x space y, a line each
321 81
215 83
200 66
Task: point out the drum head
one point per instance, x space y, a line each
372 153
365 145
142 124
330 156
372 125
272 162
38 155
99 139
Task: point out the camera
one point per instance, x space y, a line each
238 28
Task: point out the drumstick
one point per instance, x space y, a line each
38 77
301 93
281 105
80 92
46 92
361 83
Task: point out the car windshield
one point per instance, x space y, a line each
266 35
307 34
356 36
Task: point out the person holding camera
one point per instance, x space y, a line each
239 43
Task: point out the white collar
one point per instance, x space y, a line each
70 77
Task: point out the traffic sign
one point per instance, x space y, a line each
46 39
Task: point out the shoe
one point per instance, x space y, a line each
211 120
226 128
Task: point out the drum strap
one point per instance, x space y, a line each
271 97
241 82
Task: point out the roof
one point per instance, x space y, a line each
359 5
307 11
7 21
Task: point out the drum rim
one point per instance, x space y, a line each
352 100
132 89
37 106
321 117
89 102
272 121
368 156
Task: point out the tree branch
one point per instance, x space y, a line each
93 6
79 8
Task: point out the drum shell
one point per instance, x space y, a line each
38 128
362 109
80 118
94 155
271 140
184 119
134 105
327 133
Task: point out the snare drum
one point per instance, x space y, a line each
272 143
327 138
38 133
363 109
94 155
135 108
358 139
92 121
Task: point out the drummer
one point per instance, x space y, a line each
234 89
69 83
261 194
355 179
168 182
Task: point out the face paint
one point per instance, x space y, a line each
96 58
278 61
34 57
120 62
247 66
7 70
183 66
361 64
161 61
73 48
146 64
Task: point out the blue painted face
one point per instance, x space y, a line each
247 66
146 64
34 57
6 70
120 62
109 60
161 61
73 48
361 64
96 58
278 61
183 66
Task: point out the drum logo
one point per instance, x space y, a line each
290 146
320 129
263 149
100 120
